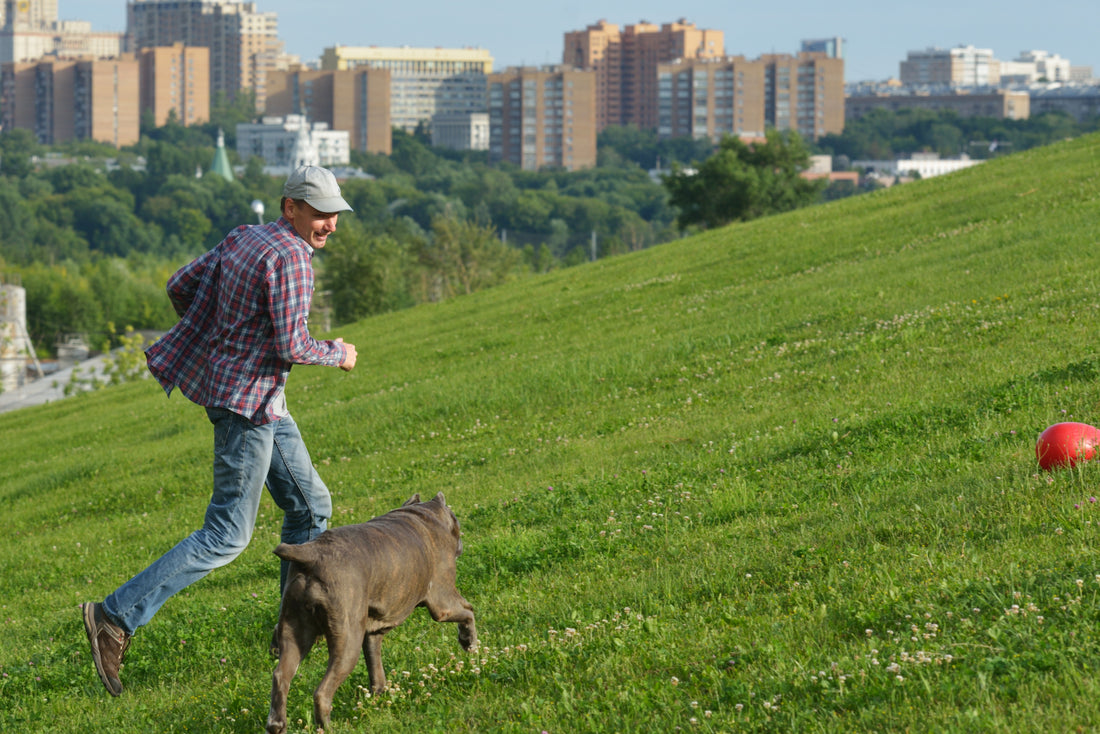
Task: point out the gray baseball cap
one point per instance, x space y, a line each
317 187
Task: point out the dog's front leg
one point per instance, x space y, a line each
372 652
454 608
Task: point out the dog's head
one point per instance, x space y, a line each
444 512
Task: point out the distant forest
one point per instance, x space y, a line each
93 244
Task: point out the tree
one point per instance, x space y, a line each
742 182
463 257
366 274
17 146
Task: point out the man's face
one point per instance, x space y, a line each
313 226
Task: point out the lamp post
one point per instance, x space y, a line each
258 207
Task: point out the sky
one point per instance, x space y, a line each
878 34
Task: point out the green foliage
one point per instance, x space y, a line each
367 274
885 134
462 257
618 146
17 146
701 487
744 181
126 363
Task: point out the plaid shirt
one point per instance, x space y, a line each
243 310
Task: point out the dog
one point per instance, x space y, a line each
354 584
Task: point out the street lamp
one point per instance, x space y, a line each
258 207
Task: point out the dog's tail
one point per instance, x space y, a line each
304 553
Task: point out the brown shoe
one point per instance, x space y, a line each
109 644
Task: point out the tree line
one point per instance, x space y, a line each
93 244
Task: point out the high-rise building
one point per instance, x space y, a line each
543 118
175 78
29 13
711 98
243 42
62 99
804 93
357 101
625 62
30 29
960 66
423 81
832 47
461 130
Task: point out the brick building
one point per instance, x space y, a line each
543 117
357 101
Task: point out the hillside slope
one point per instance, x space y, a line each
778 477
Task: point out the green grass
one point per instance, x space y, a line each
779 477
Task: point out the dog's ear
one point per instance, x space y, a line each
414 500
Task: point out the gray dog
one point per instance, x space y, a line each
354 584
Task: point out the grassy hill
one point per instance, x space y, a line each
779 477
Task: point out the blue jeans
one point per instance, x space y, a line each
246 456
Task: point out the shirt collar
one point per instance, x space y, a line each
285 223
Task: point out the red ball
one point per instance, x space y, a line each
1065 444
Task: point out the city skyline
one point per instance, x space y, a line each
877 37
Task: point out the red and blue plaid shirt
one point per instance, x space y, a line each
243 310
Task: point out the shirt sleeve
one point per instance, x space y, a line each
289 293
184 283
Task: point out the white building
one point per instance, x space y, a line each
962 66
1033 66
924 165
30 29
423 81
16 349
461 130
288 142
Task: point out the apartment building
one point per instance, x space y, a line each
804 93
461 130
30 29
961 66
543 117
1080 101
64 99
710 98
424 82
355 100
832 47
243 43
176 79
625 64
984 102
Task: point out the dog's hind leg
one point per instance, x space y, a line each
343 654
292 646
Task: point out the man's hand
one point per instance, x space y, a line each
349 361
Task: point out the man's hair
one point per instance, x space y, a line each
284 200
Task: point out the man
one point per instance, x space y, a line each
243 308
